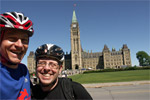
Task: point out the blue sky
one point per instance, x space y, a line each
110 22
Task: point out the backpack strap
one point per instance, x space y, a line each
67 88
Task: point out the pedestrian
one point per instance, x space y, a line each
49 60
15 30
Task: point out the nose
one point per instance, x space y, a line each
46 69
18 43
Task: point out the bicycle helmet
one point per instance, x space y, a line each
16 20
50 51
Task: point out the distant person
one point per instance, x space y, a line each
64 75
49 60
15 30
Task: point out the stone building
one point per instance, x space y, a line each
79 59
31 62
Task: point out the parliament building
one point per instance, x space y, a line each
79 59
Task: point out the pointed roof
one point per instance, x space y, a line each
113 49
105 48
125 46
74 18
31 54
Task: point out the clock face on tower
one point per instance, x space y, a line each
74 25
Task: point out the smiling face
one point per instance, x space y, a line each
47 72
13 47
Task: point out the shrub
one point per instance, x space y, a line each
113 70
130 68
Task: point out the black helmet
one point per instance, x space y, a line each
49 51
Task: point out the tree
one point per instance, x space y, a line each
143 57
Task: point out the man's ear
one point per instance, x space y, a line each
60 68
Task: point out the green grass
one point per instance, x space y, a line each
119 76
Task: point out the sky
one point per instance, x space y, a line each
110 22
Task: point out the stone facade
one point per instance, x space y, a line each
102 60
79 59
31 62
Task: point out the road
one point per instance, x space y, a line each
127 92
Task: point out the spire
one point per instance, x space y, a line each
113 49
125 46
105 48
74 18
31 53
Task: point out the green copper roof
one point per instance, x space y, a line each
74 18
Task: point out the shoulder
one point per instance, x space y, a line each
65 82
77 85
23 68
35 91
80 92
64 79
36 87
68 81
22 65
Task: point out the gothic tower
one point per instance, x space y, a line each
75 43
31 62
126 55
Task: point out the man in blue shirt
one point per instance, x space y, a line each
15 30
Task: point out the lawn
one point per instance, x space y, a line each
119 76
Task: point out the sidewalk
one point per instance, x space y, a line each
99 85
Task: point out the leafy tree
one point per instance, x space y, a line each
143 57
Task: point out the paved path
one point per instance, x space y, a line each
98 85
127 92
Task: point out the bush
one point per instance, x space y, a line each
130 68
113 70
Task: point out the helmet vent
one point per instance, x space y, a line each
3 18
25 18
27 25
5 14
11 21
2 22
13 14
20 17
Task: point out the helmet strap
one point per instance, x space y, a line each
1 36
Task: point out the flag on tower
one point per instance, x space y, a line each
74 5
